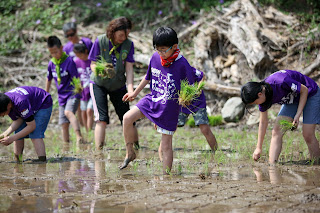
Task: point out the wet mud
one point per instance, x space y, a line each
78 179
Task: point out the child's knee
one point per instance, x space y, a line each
205 129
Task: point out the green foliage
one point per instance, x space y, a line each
189 92
191 122
76 83
287 125
104 69
18 17
215 120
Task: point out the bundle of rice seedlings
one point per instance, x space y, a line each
189 93
1 136
77 87
104 69
287 125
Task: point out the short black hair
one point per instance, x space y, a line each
69 26
4 101
164 36
80 48
54 41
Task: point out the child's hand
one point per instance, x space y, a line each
256 154
6 141
128 97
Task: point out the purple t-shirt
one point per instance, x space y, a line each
161 106
68 48
68 70
286 85
84 71
27 101
95 52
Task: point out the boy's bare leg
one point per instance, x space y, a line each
18 149
160 152
308 131
136 138
99 134
211 139
129 132
89 119
75 124
78 112
84 118
167 153
65 132
40 148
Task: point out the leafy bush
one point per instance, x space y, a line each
191 122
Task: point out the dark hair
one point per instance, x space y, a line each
69 26
121 23
249 93
54 41
80 48
165 36
4 101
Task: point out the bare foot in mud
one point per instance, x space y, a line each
127 161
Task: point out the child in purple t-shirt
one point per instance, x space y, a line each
70 32
296 93
62 69
84 70
166 69
30 109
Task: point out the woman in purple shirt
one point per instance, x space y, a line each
296 93
30 109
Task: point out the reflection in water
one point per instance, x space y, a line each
288 175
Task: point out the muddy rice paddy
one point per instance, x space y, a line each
77 178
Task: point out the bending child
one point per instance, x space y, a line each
84 70
30 109
297 93
62 69
166 69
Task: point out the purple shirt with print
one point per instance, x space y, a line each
27 101
286 85
84 71
68 47
161 106
68 70
95 52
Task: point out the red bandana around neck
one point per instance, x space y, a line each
167 62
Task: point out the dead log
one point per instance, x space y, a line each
313 66
226 90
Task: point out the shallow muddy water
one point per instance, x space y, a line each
78 179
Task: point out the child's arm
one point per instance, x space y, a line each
48 84
302 103
131 95
14 126
93 66
263 124
129 75
31 126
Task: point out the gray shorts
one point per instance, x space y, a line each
71 105
84 105
200 117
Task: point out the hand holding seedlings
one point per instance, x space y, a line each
189 93
104 69
76 83
287 125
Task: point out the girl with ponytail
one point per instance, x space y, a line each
296 93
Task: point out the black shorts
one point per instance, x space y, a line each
100 102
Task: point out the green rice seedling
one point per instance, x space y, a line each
104 69
1 137
76 83
287 125
189 93
215 120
